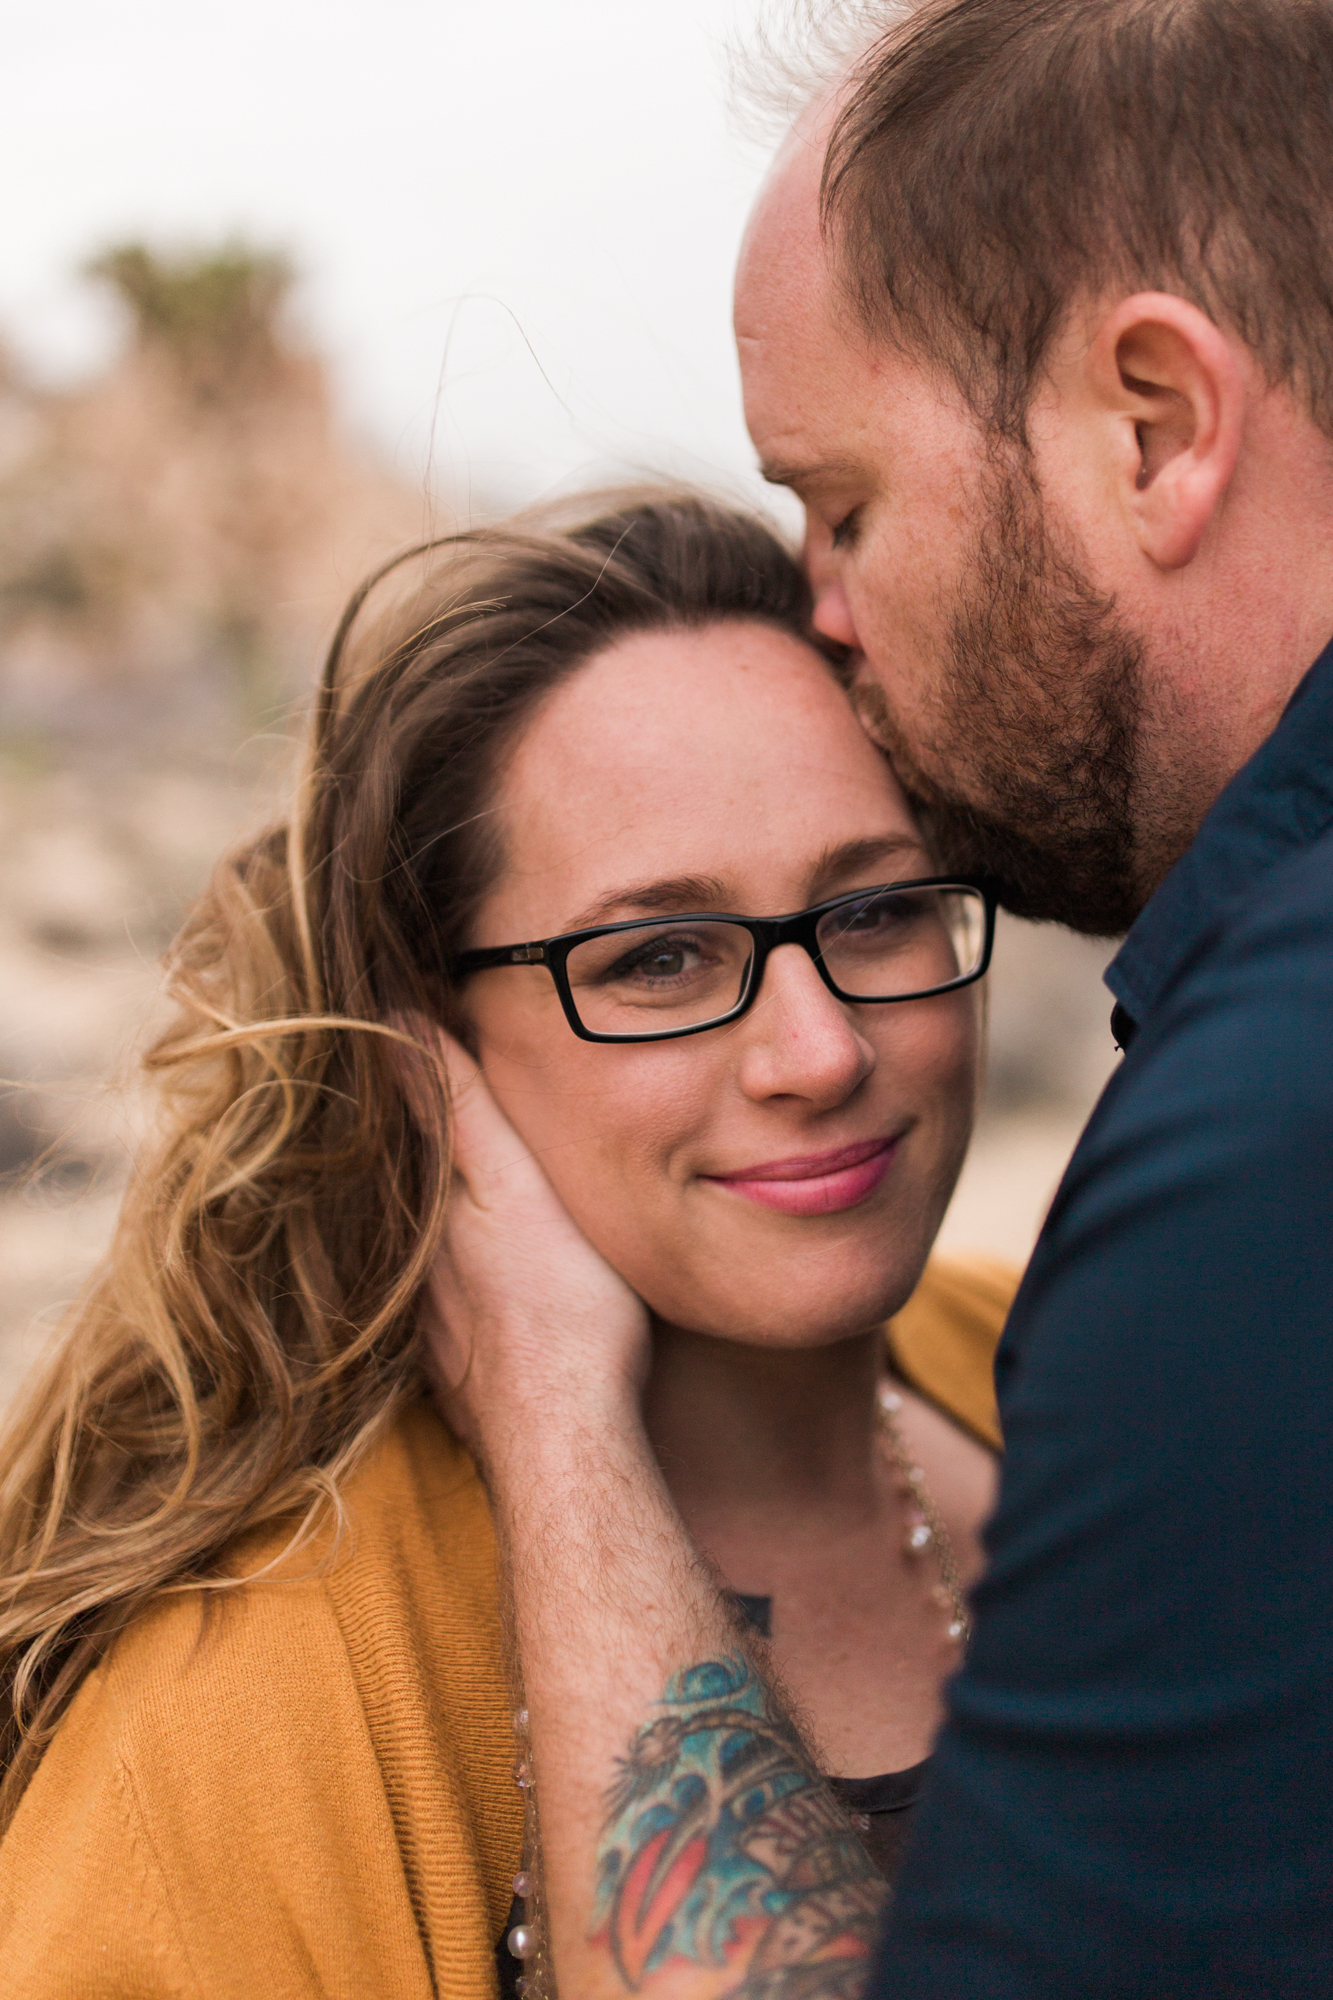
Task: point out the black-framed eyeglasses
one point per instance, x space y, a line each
654 979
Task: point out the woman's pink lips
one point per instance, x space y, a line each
820 1184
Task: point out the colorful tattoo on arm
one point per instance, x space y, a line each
724 1853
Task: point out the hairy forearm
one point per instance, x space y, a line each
689 1845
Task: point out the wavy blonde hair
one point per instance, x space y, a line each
253 1326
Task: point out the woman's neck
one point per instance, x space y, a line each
746 1434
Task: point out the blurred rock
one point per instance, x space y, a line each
177 540
1050 1014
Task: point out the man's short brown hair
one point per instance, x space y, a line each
999 159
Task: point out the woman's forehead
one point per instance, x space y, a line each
728 755
743 705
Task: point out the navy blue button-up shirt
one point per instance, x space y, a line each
1133 1795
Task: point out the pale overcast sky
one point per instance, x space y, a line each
517 219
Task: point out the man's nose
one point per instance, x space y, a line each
833 614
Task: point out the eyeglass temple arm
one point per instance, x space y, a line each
505 954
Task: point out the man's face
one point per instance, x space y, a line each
1004 687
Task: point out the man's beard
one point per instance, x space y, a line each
1036 733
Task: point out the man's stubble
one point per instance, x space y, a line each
1028 770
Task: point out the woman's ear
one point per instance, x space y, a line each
1171 390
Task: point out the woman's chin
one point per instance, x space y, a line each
797 1313
738 1270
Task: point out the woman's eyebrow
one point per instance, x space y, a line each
674 893
858 854
670 893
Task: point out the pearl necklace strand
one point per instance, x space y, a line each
525 1941
925 1524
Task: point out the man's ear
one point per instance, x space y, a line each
1175 390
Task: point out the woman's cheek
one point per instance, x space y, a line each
944 1051
605 1131
948 1069
594 1169
625 1162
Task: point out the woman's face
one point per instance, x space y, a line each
723 769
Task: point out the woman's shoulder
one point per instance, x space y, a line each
205 1665
383 1628
322 1752
943 1341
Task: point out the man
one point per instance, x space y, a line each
1037 321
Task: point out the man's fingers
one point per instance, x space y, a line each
485 1144
487 1149
484 1139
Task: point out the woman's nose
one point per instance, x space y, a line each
799 1041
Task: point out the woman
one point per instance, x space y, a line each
257 1727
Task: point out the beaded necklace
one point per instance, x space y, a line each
925 1524
527 1941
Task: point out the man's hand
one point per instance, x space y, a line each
523 1319
689 1847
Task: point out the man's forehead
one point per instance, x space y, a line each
783 255
801 357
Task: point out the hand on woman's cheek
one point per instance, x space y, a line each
513 1266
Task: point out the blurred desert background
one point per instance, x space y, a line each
221 400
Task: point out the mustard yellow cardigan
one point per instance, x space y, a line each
302 1789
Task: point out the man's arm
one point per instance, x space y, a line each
689 1846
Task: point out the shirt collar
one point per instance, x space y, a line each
1282 800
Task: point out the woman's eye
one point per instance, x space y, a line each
663 964
663 959
867 917
885 913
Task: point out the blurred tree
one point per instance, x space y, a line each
215 312
217 305
176 535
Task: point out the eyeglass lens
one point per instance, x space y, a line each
674 973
